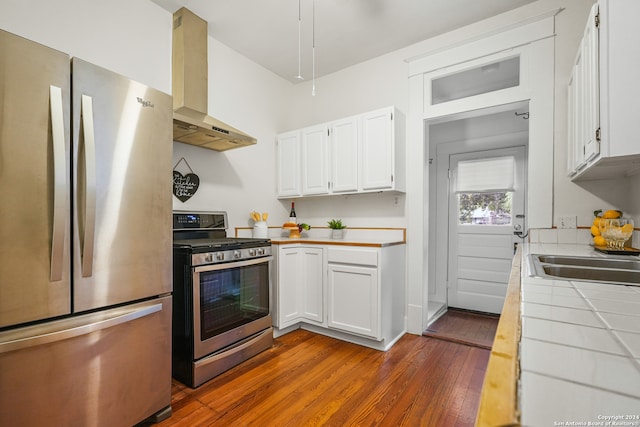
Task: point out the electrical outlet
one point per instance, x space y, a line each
567 222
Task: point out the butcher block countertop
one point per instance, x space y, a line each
566 352
361 236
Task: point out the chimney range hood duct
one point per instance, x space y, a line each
191 123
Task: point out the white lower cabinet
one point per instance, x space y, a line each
353 299
363 300
300 285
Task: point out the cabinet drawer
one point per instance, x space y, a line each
353 256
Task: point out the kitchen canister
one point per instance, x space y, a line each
260 230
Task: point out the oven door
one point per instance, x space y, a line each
230 303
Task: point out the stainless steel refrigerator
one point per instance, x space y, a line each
85 242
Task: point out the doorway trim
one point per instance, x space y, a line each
541 135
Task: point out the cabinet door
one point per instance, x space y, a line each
344 155
288 154
315 160
590 87
288 287
300 285
377 150
312 284
571 133
576 160
353 296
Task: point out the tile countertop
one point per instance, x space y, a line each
579 348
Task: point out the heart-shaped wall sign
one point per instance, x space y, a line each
185 186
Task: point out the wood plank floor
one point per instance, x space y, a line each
307 379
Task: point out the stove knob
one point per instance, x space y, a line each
261 251
252 252
236 254
208 257
220 256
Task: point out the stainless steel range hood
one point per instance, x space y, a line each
191 123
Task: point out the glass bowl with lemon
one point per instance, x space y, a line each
615 231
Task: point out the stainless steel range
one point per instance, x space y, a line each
221 297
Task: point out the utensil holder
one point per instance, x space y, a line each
260 230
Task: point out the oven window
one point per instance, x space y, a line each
232 297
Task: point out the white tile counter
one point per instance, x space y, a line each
579 348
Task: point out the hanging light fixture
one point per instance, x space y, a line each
313 50
299 76
313 46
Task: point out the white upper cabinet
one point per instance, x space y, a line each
288 157
584 121
356 154
382 150
378 150
604 95
315 160
344 155
590 97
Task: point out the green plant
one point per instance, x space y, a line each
336 224
303 226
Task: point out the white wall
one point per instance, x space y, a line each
130 38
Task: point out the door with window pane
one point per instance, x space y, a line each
486 206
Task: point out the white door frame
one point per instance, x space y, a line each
439 196
538 32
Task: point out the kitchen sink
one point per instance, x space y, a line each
625 264
609 270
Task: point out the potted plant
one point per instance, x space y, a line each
337 228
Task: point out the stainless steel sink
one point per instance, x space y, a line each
609 270
626 264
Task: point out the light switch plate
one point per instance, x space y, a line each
567 222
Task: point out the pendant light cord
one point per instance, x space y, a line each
313 50
299 76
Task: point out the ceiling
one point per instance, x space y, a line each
347 32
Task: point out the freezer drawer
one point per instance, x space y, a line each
111 368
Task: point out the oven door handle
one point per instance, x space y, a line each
235 264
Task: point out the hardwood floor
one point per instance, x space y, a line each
312 380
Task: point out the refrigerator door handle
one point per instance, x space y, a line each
73 329
59 183
90 187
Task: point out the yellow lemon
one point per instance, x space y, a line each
627 228
612 214
599 241
596 221
595 230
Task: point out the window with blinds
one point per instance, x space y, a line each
485 190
